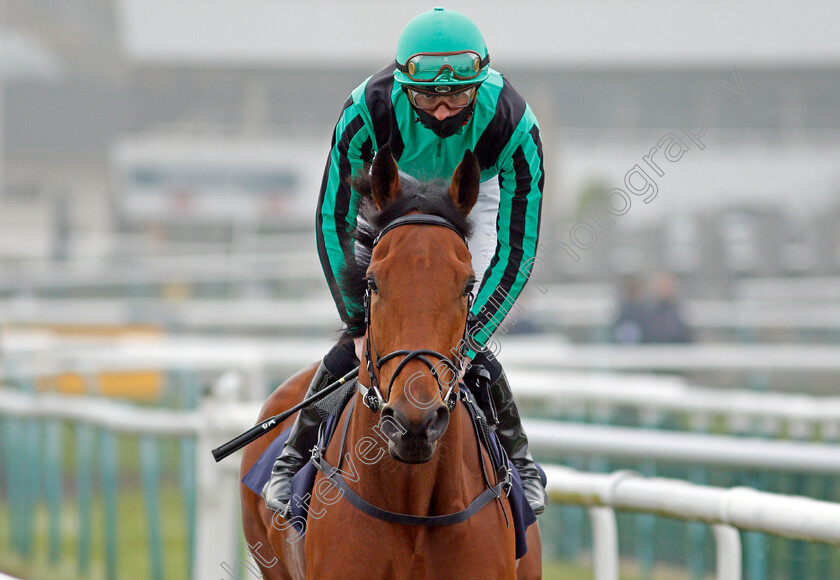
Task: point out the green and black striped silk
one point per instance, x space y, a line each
504 135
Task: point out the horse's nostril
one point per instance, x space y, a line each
430 427
389 424
438 423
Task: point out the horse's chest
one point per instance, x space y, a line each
354 545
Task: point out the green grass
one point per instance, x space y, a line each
552 570
134 560
555 570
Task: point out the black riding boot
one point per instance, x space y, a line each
277 492
513 439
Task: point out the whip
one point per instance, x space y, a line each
261 429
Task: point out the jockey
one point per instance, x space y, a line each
439 99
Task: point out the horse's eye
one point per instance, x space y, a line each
371 283
469 287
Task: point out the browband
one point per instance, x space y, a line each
419 219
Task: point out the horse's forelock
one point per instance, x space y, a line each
429 197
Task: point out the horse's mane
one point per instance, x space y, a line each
428 197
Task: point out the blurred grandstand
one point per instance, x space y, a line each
761 199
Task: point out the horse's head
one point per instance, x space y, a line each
419 281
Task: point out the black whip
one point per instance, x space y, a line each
261 429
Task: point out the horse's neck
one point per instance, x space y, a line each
444 484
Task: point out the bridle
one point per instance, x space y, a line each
373 400
372 396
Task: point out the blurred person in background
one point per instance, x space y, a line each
665 321
656 320
439 99
630 323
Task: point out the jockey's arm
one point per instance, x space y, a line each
337 203
521 180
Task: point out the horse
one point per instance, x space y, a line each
419 456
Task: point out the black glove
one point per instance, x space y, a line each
477 379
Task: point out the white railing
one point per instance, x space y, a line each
218 508
566 393
230 417
33 355
726 510
315 314
536 368
553 437
549 352
117 417
805 289
185 267
217 420
667 393
546 353
236 313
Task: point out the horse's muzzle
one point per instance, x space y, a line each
413 442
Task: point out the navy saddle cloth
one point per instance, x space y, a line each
304 480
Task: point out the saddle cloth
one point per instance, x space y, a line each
304 480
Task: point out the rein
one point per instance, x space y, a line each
372 396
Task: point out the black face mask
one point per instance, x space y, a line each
448 126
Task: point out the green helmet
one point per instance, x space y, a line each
440 48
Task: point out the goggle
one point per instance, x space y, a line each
428 101
425 67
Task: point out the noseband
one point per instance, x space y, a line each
372 396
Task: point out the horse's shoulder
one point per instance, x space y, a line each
288 394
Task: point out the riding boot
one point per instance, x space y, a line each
513 439
277 492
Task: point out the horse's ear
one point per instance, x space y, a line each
384 177
464 187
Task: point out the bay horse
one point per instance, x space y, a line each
419 456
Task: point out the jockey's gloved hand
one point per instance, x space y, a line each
477 379
277 492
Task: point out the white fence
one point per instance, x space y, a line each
32 352
726 510
682 448
218 510
668 393
810 304
569 393
260 312
538 374
547 352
